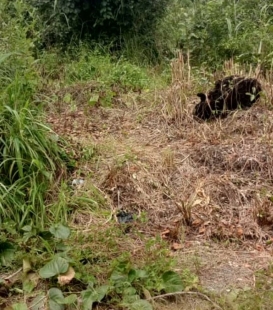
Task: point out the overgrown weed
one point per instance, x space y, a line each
30 160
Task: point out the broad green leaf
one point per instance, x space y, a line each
141 274
55 294
92 281
91 296
61 247
117 276
101 292
136 274
88 299
52 305
140 304
28 286
132 275
129 291
93 100
20 306
55 267
129 299
60 231
7 251
69 299
55 298
30 282
171 282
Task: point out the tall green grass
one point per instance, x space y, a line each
30 154
30 161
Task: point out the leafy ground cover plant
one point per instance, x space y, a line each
58 269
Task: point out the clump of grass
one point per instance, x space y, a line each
177 96
30 161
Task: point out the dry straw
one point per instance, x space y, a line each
213 179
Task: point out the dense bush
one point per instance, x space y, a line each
105 20
216 30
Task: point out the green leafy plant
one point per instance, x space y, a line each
18 77
93 294
132 284
56 266
215 31
129 76
57 301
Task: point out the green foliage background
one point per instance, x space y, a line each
216 30
100 20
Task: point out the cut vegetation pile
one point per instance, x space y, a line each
189 182
207 180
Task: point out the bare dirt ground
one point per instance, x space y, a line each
205 187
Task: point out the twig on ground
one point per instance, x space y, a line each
14 274
38 302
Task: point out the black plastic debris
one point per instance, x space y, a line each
124 217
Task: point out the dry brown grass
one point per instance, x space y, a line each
208 173
195 181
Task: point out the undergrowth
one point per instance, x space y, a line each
61 243
101 270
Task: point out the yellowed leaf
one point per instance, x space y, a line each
176 246
146 293
26 265
197 222
65 278
239 232
196 202
164 233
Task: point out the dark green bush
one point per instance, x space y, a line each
104 20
